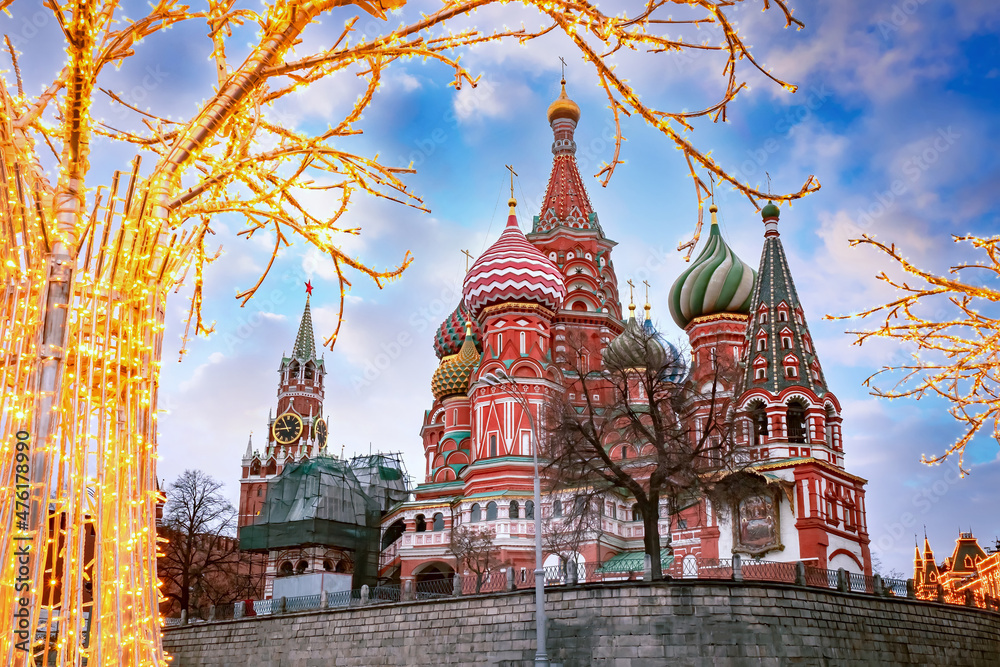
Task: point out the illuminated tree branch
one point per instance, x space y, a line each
957 355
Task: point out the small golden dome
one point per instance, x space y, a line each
564 107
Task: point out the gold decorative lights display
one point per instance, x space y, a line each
86 269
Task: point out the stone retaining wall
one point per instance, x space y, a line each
631 624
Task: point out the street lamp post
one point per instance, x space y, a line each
497 379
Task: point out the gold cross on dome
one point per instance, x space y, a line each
631 298
512 175
563 61
468 258
646 283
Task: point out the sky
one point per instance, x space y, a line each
895 114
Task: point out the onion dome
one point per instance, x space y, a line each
564 107
640 346
450 335
452 377
716 282
770 211
512 270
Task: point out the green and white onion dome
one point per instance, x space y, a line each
716 282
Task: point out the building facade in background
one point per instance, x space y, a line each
970 575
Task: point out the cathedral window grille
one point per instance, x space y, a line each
491 511
421 523
493 445
438 521
529 509
477 513
515 510
796 422
790 371
782 316
556 507
786 343
760 374
758 418
763 318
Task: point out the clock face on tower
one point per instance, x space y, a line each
320 431
286 428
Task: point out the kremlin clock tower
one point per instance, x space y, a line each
297 430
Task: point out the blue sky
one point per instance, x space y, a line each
889 95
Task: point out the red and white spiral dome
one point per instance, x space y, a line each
512 270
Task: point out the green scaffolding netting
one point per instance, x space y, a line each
318 502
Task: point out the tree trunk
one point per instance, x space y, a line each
651 538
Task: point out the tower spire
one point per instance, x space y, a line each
305 342
780 349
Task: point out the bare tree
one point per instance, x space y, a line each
578 521
201 563
475 551
651 431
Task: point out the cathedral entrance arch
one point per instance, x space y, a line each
434 578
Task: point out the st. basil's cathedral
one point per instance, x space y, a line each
523 299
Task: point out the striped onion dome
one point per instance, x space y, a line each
513 270
716 282
452 376
451 333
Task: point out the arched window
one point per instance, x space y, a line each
439 521
796 421
758 420
529 509
477 513
782 316
515 510
328 565
421 523
625 452
285 569
301 567
310 371
493 445
556 507
636 513
491 511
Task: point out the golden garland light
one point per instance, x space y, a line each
957 358
86 270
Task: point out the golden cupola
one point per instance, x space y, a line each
452 377
564 107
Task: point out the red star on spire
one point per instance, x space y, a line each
309 287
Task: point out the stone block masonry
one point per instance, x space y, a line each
630 624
